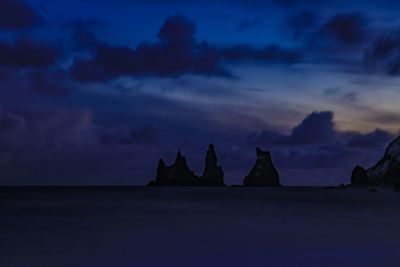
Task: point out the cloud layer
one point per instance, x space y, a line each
176 53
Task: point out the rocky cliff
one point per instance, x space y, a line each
264 172
384 173
387 170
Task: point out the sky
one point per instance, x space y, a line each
94 92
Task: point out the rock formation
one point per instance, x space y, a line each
263 173
213 174
387 171
359 177
179 173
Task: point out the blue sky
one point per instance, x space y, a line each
94 92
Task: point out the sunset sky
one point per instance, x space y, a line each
96 91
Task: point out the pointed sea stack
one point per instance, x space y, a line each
213 174
359 177
178 174
264 172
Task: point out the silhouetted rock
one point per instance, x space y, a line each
359 177
213 174
263 173
178 174
387 170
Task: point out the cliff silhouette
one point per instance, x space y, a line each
179 173
263 173
386 172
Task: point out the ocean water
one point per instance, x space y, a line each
159 227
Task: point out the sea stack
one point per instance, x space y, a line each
359 177
386 172
264 172
178 174
213 174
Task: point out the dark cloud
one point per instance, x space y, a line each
346 28
271 53
265 137
61 146
376 138
384 54
16 14
178 30
27 52
176 53
316 144
385 117
350 97
51 83
82 36
318 127
338 41
37 130
147 135
10 122
302 22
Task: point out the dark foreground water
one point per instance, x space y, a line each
198 227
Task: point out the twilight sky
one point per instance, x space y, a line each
96 91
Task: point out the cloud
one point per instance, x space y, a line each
384 54
350 97
376 138
346 28
384 117
270 53
64 146
28 53
16 14
316 144
302 22
148 136
50 83
342 33
176 53
82 37
38 130
318 127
